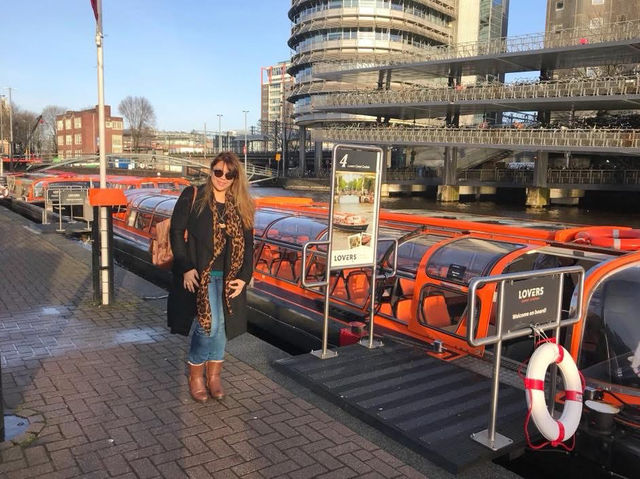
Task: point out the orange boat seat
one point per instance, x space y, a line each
297 269
316 271
404 309
281 268
337 286
358 286
385 308
435 312
262 266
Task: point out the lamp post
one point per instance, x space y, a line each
245 139
219 133
204 144
1 134
10 131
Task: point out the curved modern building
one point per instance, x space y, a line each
359 32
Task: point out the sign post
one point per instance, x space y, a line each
527 302
353 224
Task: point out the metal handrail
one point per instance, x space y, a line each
610 32
589 87
534 138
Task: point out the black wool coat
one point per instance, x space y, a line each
197 253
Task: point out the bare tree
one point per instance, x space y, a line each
26 134
138 112
49 130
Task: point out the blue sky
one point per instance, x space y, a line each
192 59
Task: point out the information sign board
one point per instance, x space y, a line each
355 190
53 195
72 197
530 301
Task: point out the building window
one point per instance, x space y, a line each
597 2
77 122
68 140
60 125
107 124
78 139
61 140
116 140
557 28
560 5
595 23
67 123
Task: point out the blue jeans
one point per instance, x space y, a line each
210 347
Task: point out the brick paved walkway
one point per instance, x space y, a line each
106 390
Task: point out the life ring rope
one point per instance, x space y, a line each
573 393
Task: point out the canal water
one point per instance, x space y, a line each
597 208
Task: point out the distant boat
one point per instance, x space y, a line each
350 222
346 199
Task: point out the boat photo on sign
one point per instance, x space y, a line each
355 206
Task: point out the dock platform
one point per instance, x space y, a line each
429 405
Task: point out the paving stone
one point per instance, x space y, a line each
144 468
171 470
108 387
116 465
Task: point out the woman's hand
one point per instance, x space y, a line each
190 280
236 286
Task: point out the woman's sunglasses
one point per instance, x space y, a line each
229 176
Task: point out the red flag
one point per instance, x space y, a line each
94 5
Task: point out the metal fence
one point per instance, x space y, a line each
554 176
532 139
587 87
609 32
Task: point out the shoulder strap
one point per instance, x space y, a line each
193 200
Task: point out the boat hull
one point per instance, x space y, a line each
351 228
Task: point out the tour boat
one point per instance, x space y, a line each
425 303
350 222
27 191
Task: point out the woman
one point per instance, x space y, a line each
215 263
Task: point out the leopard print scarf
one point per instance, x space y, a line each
234 230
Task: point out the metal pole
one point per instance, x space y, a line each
245 139
1 134
10 129
204 145
104 240
219 133
496 371
283 159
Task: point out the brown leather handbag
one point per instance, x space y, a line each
161 254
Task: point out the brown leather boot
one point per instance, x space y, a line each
196 383
214 383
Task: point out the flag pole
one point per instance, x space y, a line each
105 252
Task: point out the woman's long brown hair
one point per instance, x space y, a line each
239 189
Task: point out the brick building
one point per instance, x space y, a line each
78 132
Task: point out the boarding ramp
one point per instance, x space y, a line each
435 406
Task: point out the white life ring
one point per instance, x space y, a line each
562 429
